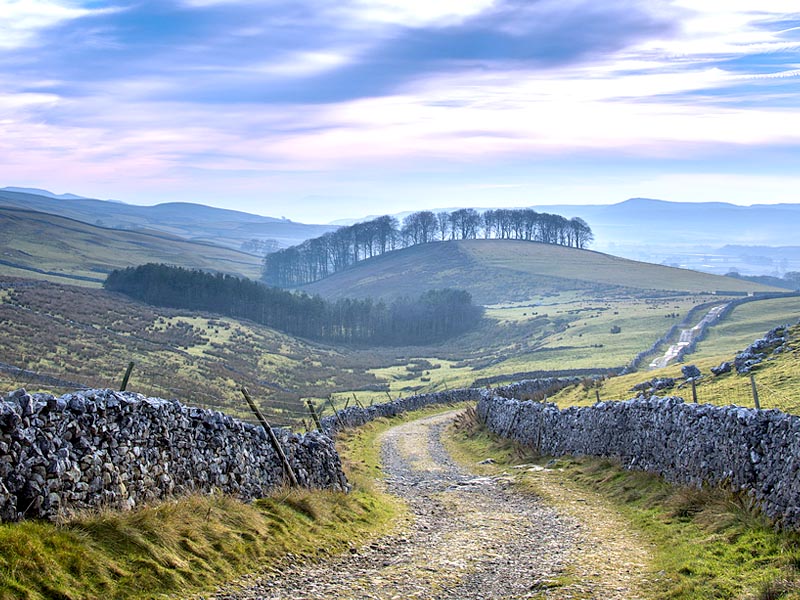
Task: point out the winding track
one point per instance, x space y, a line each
468 537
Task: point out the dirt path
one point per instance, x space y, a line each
687 336
468 537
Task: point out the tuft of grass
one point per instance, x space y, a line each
707 543
179 546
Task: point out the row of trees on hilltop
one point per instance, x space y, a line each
433 317
319 257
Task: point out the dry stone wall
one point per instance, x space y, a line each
104 448
757 452
354 416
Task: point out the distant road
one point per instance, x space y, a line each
687 337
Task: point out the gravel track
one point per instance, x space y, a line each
468 537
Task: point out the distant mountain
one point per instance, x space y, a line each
38 192
495 271
196 222
41 245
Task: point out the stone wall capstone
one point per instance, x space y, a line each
748 450
98 448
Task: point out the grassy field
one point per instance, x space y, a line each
703 543
40 245
746 323
203 359
776 379
496 271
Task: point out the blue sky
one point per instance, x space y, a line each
319 110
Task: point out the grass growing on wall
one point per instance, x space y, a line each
705 543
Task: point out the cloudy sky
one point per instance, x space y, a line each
325 109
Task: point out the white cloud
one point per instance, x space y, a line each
417 13
724 27
22 20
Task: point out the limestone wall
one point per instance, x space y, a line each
103 448
754 451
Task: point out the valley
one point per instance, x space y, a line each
547 310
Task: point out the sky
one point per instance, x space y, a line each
317 110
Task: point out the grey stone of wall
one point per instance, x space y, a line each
757 452
104 448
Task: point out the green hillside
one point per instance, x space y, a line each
195 222
45 246
776 378
509 270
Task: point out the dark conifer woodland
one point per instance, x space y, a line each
319 257
434 316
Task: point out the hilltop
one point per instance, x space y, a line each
42 245
496 271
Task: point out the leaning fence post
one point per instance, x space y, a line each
335 412
126 377
314 415
287 467
357 401
755 391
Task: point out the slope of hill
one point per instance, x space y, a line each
776 378
687 234
34 244
507 270
55 334
190 221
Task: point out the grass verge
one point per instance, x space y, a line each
702 543
179 546
182 546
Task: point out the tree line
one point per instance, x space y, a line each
435 316
336 250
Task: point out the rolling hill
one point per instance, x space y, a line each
41 245
509 270
195 222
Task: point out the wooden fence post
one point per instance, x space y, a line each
694 391
314 415
597 394
755 391
335 412
127 376
287 467
357 401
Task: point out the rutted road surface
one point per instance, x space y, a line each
468 537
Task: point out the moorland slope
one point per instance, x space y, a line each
511 270
35 244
